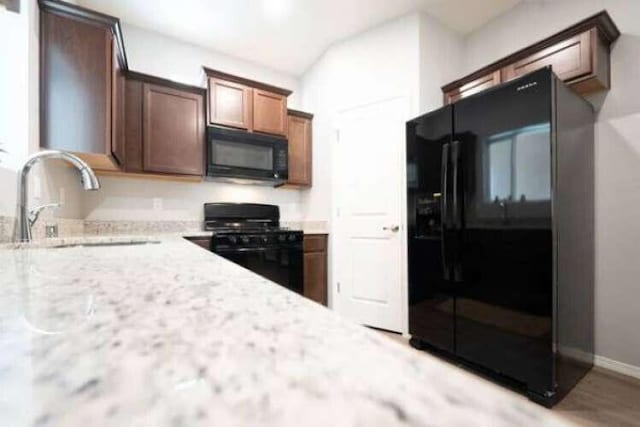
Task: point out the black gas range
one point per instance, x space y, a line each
250 235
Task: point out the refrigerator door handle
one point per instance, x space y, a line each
444 217
457 210
455 154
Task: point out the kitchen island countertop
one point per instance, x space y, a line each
165 333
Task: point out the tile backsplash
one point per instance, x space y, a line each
79 227
66 228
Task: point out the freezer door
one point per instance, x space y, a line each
429 204
504 303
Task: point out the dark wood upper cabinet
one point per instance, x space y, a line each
300 148
472 87
230 104
269 112
164 127
579 56
569 59
81 83
246 104
173 130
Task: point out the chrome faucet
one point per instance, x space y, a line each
26 219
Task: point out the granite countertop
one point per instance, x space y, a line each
166 333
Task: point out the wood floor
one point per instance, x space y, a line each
602 398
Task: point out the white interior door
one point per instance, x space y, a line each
369 193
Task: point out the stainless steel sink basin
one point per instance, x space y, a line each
105 244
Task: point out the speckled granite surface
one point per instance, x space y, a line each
95 227
170 334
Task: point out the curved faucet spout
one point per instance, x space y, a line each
87 176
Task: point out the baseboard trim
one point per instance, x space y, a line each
619 367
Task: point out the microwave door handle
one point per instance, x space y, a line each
444 217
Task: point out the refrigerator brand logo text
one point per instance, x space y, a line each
527 86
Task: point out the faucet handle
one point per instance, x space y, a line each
35 212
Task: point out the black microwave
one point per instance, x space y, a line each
246 157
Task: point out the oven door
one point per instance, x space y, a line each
280 264
243 155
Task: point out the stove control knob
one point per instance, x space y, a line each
282 237
292 237
233 240
245 239
264 239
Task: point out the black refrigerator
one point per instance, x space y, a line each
500 205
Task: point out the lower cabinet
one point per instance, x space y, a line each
315 267
203 242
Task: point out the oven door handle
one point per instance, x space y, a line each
263 249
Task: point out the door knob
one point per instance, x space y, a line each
394 228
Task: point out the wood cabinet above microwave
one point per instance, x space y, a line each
246 104
579 56
81 83
230 104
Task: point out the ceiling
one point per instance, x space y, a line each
286 35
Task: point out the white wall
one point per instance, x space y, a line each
617 153
441 52
162 56
133 199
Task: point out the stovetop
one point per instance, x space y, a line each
247 225
244 228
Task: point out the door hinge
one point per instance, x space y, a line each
337 136
338 287
338 212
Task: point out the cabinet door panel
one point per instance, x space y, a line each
229 104
475 86
315 277
173 131
300 155
569 59
269 112
77 57
315 243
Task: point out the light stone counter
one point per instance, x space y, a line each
166 333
